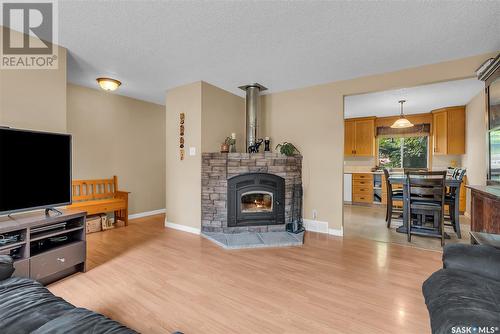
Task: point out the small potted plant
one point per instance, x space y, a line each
224 147
287 149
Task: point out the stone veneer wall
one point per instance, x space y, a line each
217 168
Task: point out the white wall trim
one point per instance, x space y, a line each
315 226
146 213
183 228
321 227
339 232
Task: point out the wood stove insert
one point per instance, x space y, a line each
256 199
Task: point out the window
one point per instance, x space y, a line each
494 130
495 154
403 152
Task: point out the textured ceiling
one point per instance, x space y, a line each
419 99
155 45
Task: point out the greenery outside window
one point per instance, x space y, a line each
495 154
403 152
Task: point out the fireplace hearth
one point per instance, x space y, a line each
243 192
256 199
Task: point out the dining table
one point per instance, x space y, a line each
450 182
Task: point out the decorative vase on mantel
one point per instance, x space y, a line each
232 143
267 143
224 148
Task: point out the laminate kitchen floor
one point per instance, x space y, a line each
368 222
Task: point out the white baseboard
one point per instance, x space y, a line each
315 226
321 227
147 213
339 232
183 228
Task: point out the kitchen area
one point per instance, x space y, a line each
434 139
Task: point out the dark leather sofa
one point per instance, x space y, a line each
464 296
28 307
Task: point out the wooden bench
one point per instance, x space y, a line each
100 196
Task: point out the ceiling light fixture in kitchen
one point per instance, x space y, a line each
402 122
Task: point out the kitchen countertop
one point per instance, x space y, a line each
368 171
363 172
493 191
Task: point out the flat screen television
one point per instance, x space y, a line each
35 170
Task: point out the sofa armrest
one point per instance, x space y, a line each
6 267
477 259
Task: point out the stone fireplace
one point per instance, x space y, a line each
243 192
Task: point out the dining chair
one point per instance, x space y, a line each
426 193
392 195
449 200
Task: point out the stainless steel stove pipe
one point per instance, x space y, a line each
252 111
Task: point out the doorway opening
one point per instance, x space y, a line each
434 142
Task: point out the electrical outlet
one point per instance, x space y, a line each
192 151
315 214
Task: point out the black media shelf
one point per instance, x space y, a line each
49 247
53 233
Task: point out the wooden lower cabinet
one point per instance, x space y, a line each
360 198
463 195
384 193
362 188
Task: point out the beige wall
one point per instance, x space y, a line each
312 118
475 159
183 183
222 114
34 99
212 114
111 134
117 135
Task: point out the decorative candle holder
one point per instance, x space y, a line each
232 148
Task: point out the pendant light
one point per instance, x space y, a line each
108 84
402 122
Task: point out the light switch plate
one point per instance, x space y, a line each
192 151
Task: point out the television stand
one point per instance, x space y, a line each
45 248
48 210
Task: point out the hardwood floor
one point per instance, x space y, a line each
158 280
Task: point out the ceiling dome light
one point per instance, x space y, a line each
402 122
108 84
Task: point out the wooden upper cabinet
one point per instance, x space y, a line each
440 132
456 130
448 130
359 137
364 138
348 138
